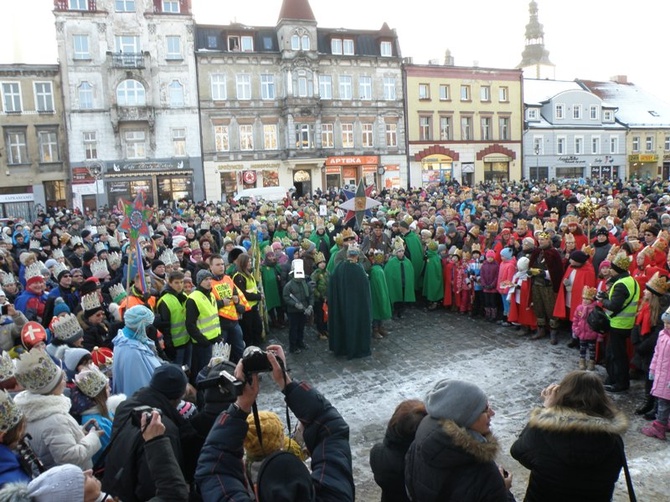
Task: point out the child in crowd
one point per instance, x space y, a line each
474 267
462 284
659 372
489 282
505 274
582 331
320 279
521 310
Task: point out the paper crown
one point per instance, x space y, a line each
220 353
113 242
231 235
91 381
542 235
37 372
589 293
205 225
8 278
10 413
99 269
100 246
398 244
7 367
102 230
660 243
57 254
102 356
621 261
658 284
319 257
348 233
33 273
67 328
114 259
7 239
90 302
35 244
492 226
75 241
168 257
477 248
117 292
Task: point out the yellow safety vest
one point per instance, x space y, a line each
250 286
626 318
177 319
208 320
225 288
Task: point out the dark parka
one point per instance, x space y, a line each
571 456
446 464
387 461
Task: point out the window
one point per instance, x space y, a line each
386 49
608 116
392 135
503 128
303 136
173 47
247 44
445 92
425 126
234 43
130 93
424 91
348 47
336 46
389 89
367 133
270 136
560 145
326 86
559 112
595 145
636 143
179 142
80 46
503 94
465 93
347 135
171 6
345 87
594 112
11 97
176 94
305 42
486 128
579 145
85 92
125 5
218 85
212 42
649 143
304 87
614 145
221 138
17 149
485 93
48 145
295 42
445 128
127 44
135 144
267 86
577 112
532 114
90 146
666 144
243 87
327 136
78 4
44 101
365 88
466 128
246 137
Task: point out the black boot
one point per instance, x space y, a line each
574 342
647 406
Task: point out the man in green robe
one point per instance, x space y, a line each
399 273
433 280
413 251
349 308
381 305
271 277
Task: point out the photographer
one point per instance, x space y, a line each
282 477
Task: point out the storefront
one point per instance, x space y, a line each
603 169
347 170
570 167
643 165
436 169
236 177
496 168
17 202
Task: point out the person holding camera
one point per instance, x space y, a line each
282 476
299 300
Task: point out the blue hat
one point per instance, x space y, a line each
506 253
60 307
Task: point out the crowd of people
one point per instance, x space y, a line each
95 327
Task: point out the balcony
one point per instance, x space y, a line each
127 60
121 114
79 5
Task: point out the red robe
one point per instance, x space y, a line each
584 276
447 275
522 313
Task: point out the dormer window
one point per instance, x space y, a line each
300 42
305 43
295 42
238 43
171 6
341 46
386 49
78 4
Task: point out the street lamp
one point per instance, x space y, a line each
537 159
96 169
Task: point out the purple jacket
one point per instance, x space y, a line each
488 276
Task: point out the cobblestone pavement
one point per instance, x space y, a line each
425 347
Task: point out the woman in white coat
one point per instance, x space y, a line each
57 438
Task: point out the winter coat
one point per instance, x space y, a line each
387 461
505 273
488 276
297 291
164 468
220 474
134 363
580 326
11 470
660 366
446 464
57 438
10 330
571 455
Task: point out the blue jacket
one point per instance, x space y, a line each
10 467
134 363
220 473
105 424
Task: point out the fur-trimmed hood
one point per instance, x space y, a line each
462 439
565 420
37 407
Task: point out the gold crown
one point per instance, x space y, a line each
658 284
67 328
99 269
231 235
90 301
492 227
7 367
661 243
543 235
100 246
589 250
91 381
10 413
319 257
476 247
33 270
37 372
433 245
57 254
621 261
348 233
117 292
589 293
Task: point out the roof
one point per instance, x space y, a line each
636 107
296 10
537 91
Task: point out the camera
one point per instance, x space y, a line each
4 309
226 383
139 411
255 360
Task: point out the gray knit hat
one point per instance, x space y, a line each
456 400
202 275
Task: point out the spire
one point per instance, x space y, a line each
296 10
534 53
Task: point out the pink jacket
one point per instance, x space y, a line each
660 366
505 274
581 328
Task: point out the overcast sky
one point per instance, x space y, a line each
589 39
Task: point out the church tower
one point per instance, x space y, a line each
535 58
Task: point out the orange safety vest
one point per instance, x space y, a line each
132 301
225 288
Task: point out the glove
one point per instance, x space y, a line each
309 310
651 376
299 306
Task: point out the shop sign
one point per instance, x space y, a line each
17 197
333 170
643 157
249 177
146 166
118 187
570 159
369 169
352 160
82 176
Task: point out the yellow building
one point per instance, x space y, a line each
464 123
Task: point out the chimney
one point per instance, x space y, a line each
619 79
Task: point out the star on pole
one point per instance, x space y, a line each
136 218
359 204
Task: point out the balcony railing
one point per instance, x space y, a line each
120 114
64 5
128 60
